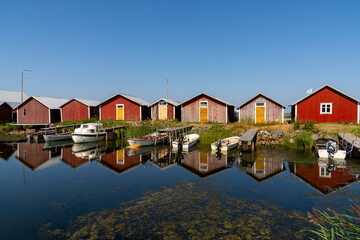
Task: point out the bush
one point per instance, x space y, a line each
304 140
309 126
297 124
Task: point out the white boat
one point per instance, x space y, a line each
148 140
226 144
186 142
57 137
329 148
89 151
89 132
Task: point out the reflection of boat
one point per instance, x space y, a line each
90 132
139 151
64 143
226 144
148 140
57 137
187 142
329 148
86 150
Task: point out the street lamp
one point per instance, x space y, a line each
22 75
167 88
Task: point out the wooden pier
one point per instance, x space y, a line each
174 133
350 142
247 141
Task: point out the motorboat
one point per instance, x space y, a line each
89 151
89 132
329 148
148 140
225 144
57 137
185 142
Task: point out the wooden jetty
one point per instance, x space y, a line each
174 133
247 141
351 143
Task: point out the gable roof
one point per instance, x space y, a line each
218 99
260 94
173 102
132 98
89 103
11 96
49 102
318 90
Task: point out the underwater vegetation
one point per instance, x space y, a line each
186 211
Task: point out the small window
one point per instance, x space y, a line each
162 103
85 126
120 106
203 103
260 104
24 112
326 108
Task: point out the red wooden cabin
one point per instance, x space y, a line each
124 107
8 101
205 108
79 109
166 109
5 112
40 111
327 104
261 109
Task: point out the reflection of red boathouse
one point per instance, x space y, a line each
324 177
69 158
119 162
262 168
204 164
6 150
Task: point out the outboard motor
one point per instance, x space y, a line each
181 139
331 148
218 145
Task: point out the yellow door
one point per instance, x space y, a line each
260 114
162 112
120 156
203 114
260 164
120 112
203 158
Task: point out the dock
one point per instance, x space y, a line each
351 143
247 141
174 133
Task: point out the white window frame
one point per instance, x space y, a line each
123 107
207 106
324 175
260 106
326 104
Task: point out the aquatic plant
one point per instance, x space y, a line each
186 211
302 140
216 132
333 225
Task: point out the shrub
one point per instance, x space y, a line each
304 141
309 126
296 124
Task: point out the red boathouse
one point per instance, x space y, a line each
205 108
40 110
79 109
124 107
327 104
165 109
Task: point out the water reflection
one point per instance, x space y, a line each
325 175
7 150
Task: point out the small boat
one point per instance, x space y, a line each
329 148
89 132
89 151
226 144
148 140
57 137
185 142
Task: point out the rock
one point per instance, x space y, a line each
291 140
265 133
278 133
30 131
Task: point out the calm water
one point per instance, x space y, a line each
43 188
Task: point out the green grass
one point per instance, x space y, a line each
333 225
215 133
301 141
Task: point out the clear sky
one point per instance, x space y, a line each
230 49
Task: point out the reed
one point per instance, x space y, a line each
333 225
213 134
300 141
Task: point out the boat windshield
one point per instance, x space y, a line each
85 126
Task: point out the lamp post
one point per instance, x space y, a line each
167 88
22 76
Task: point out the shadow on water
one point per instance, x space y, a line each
154 192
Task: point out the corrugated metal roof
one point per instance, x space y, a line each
89 103
173 102
132 98
220 100
260 94
49 102
11 96
322 89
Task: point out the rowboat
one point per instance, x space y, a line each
57 137
226 144
329 148
148 140
89 132
185 142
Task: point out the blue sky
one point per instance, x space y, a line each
230 49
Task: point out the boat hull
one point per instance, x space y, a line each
340 154
227 147
83 138
186 145
143 143
50 138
